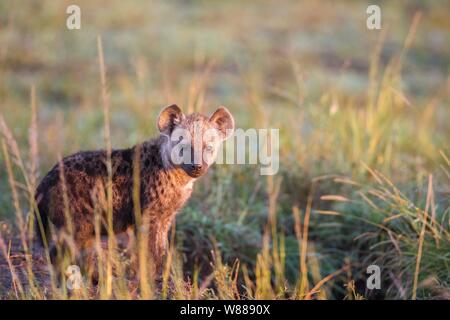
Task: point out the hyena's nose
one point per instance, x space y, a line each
197 167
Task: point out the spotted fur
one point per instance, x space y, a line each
164 187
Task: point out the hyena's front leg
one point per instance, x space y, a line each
150 243
157 248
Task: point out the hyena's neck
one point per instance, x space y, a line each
164 189
156 164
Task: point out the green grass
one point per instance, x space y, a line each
363 118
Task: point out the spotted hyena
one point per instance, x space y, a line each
68 197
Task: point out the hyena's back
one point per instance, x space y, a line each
84 186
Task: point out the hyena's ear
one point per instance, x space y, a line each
223 121
169 117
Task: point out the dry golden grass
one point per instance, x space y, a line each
364 158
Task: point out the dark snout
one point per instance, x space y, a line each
195 170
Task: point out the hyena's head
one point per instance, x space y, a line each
192 141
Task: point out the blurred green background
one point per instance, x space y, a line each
344 97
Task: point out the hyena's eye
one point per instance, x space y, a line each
185 147
209 148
